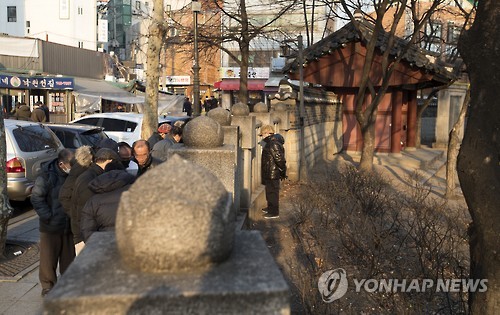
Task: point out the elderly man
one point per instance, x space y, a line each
141 150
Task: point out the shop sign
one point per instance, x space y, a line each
178 80
20 82
253 73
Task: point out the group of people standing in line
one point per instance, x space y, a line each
22 111
208 104
78 194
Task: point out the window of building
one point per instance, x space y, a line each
80 11
11 14
453 32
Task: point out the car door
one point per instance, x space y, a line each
121 129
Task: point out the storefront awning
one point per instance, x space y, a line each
234 85
105 90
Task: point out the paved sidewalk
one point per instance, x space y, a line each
22 297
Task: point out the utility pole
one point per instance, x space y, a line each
196 7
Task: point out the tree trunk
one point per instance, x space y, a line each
453 147
245 54
366 162
5 208
478 160
150 110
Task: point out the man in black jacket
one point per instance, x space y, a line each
141 150
82 192
56 240
273 168
99 213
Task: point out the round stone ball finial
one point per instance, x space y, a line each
203 132
260 108
164 225
220 115
240 109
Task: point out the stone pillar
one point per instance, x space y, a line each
411 135
175 251
231 137
203 145
397 104
449 104
247 128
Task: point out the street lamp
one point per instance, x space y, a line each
302 111
196 7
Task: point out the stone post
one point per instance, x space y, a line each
449 104
247 128
231 137
204 146
175 251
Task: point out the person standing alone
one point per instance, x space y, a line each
273 169
56 239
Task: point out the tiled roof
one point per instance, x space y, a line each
414 55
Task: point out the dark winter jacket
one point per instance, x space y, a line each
45 200
273 164
99 213
83 159
155 137
161 147
81 194
152 162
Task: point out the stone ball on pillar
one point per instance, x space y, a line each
240 109
203 132
220 115
280 107
165 225
260 108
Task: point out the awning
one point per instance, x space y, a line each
105 90
217 84
89 93
234 85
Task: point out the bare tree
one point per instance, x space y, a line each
5 207
453 148
478 160
156 37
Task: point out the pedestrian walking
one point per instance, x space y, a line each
187 107
141 150
99 212
273 169
45 109
82 193
56 240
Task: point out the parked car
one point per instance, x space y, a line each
74 136
123 126
29 145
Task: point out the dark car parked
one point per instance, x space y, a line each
74 136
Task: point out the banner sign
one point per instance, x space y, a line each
178 80
20 82
253 73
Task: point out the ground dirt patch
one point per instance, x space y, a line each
402 228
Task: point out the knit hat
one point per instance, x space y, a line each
164 128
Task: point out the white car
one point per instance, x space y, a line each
123 126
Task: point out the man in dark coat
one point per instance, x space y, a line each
187 107
273 168
141 151
160 149
82 192
99 213
45 109
56 240
160 134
